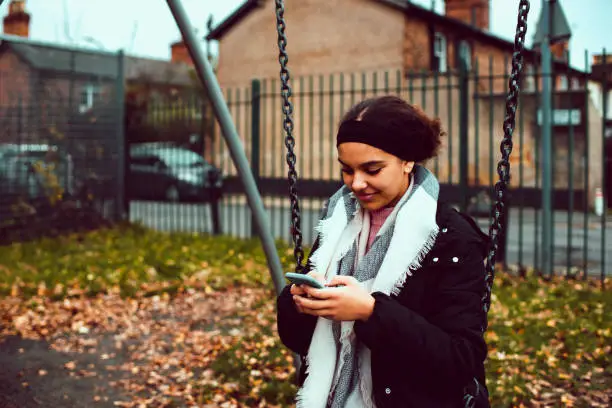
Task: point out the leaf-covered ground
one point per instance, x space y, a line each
134 318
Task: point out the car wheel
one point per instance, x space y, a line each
172 194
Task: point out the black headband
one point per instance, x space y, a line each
389 139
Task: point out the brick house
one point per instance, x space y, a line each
68 97
43 73
28 68
364 35
374 38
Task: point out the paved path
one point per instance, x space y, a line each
33 376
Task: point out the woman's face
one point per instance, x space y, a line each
377 178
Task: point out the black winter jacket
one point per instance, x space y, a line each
426 343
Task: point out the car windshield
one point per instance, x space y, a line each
182 158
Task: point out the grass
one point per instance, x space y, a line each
127 256
549 341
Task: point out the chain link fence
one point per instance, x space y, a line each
61 141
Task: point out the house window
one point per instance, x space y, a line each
89 95
563 83
439 53
529 78
464 53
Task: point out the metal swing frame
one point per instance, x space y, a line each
229 132
208 79
211 86
503 167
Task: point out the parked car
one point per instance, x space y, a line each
171 173
32 171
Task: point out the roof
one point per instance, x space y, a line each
158 71
559 26
401 5
86 62
405 6
234 18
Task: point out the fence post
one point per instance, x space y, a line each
587 166
463 131
255 138
605 87
71 83
20 140
215 197
546 129
122 204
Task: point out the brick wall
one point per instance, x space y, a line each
473 12
492 62
387 44
321 100
330 56
15 78
323 37
416 48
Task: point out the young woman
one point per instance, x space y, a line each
399 321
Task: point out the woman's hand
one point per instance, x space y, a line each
347 303
300 290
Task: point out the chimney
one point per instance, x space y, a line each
180 54
471 12
598 59
17 21
560 50
599 70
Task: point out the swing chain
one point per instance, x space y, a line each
503 170
503 167
289 139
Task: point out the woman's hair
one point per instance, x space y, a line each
423 134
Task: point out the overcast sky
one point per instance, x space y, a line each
115 24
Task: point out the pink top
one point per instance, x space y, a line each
377 219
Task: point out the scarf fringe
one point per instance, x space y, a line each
326 228
300 397
365 385
323 233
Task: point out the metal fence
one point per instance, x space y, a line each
471 107
61 145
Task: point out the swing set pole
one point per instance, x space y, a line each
213 90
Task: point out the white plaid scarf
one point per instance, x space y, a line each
339 368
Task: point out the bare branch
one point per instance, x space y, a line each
67 35
134 33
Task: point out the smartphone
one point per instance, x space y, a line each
300 279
